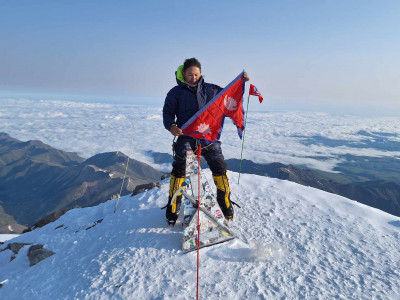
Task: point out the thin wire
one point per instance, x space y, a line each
244 132
126 169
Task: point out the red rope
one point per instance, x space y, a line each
198 221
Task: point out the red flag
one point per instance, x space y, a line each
254 92
207 123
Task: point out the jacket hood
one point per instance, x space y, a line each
179 76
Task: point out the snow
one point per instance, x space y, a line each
292 242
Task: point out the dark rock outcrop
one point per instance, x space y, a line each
165 176
37 253
145 187
15 247
48 219
94 224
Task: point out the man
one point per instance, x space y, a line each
181 103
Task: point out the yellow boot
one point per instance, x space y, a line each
173 208
224 195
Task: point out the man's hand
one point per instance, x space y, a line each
246 76
175 130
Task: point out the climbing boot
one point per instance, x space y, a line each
173 207
224 195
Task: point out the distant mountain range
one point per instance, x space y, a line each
36 180
380 192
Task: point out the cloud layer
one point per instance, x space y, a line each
313 139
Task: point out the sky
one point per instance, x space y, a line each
334 56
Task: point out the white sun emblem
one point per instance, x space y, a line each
230 103
204 128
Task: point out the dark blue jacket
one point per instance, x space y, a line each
183 101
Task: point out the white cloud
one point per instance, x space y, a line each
90 128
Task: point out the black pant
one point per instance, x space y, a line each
211 152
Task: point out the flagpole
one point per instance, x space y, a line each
244 132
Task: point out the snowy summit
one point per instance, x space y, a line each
292 242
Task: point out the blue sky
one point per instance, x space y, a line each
339 56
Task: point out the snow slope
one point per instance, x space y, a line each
293 242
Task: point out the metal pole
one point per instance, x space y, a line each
244 132
126 169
